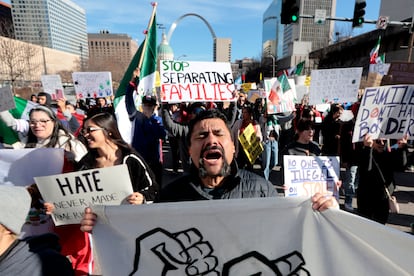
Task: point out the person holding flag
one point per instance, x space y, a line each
136 92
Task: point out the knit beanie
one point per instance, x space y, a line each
14 206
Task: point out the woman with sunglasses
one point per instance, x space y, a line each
107 148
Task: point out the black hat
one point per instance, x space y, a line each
148 99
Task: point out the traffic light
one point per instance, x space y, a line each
290 11
359 12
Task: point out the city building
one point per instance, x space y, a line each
59 25
164 50
272 31
6 22
110 52
222 49
397 10
299 38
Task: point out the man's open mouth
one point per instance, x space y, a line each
212 153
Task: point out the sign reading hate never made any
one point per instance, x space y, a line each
386 112
71 193
195 81
307 175
334 85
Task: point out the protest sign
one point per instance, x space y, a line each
254 236
194 81
6 99
251 145
52 84
380 68
386 112
19 166
334 85
92 84
71 193
280 94
307 175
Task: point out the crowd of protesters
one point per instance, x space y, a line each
87 131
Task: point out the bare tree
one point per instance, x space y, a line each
17 61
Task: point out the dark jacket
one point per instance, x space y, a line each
142 178
240 184
147 131
35 256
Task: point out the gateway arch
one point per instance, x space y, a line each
213 34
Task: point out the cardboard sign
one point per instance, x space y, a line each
6 99
307 175
386 112
193 81
251 146
280 95
52 84
334 85
71 193
92 84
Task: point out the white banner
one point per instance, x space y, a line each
386 112
263 236
196 81
71 193
338 85
19 166
307 175
92 84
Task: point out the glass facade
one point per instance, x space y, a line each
57 24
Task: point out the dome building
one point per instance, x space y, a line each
164 50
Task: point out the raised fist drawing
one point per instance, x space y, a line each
181 253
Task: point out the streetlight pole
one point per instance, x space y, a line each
273 64
81 56
43 52
181 56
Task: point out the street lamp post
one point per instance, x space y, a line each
273 64
43 52
181 56
81 56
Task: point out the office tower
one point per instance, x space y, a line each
222 49
56 24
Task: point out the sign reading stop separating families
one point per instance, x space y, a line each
307 175
386 112
196 81
71 193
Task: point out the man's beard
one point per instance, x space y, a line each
225 168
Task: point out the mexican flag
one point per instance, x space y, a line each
373 55
21 111
146 59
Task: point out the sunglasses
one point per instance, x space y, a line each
88 130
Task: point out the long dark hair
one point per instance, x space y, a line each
108 122
56 133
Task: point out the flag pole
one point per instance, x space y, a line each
154 8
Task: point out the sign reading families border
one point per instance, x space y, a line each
386 112
194 81
71 193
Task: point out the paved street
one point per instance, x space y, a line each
404 192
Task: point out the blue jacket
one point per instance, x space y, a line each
147 131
